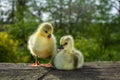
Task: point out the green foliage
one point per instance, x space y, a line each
95 29
93 51
9 51
21 31
8 48
88 47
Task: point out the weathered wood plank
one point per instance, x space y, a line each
106 70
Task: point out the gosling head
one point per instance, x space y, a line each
66 42
45 29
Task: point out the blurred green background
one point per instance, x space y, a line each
94 24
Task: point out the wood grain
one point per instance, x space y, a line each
106 70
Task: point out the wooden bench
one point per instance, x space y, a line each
90 71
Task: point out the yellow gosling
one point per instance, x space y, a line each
68 58
42 43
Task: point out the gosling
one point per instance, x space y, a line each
42 43
68 58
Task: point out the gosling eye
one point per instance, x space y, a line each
46 31
66 43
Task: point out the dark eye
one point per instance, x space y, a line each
66 43
46 31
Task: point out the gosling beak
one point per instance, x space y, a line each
61 47
49 36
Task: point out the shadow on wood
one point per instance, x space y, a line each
90 71
85 73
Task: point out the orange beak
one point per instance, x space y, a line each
49 36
